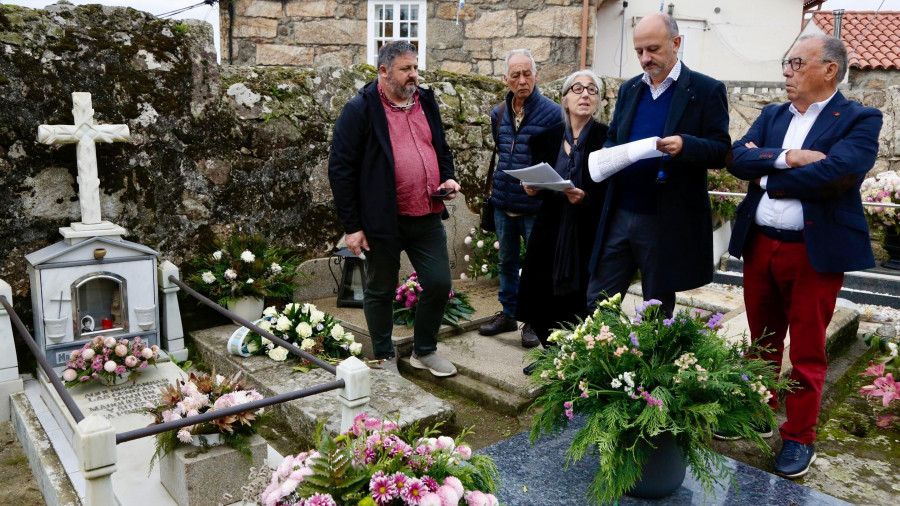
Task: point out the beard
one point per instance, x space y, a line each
404 90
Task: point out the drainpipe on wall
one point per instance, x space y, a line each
230 33
584 28
838 19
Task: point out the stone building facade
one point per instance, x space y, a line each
341 33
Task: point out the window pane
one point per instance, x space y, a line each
379 11
389 30
414 12
414 29
404 29
404 12
389 12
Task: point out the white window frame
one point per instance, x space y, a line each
371 24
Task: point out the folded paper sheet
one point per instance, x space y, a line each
606 162
541 176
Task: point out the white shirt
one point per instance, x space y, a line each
668 81
787 214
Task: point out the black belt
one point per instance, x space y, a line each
780 234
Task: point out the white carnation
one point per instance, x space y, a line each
247 256
304 330
278 354
230 275
249 281
275 268
217 255
208 277
468 241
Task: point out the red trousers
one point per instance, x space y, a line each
782 291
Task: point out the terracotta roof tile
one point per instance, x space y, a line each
876 38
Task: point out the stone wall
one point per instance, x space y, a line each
873 79
215 148
330 32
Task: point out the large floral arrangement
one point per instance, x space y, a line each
244 266
406 300
484 259
884 391
635 379
109 359
375 463
199 394
884 188
305 326
724 206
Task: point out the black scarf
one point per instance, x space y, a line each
566 262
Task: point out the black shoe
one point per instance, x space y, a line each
529 337
501 322
529 369
764 430
794 459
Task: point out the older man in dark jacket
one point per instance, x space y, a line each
525 113
388 166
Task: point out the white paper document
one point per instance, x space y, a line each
541 176
606 162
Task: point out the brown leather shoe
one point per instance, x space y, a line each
500 322
529 337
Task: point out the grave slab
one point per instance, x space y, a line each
392 397
532 475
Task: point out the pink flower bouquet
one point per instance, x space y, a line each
108 358
377 464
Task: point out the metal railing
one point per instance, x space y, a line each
42 361
735 194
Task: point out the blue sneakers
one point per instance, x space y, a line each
794 459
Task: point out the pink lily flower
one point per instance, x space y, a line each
885 387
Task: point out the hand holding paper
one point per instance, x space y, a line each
541 176
606 162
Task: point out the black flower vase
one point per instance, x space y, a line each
891 244
664 470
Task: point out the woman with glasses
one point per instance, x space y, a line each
553 286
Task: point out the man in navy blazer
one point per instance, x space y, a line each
656 216
802 226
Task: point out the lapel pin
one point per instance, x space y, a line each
836 113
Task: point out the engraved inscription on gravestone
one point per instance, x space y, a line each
122 400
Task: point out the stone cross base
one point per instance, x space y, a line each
78 231
201 479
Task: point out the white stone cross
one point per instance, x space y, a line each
85 134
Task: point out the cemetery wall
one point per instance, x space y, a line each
214 147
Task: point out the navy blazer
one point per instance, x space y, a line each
835 230
699 114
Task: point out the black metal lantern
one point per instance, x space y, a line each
351 288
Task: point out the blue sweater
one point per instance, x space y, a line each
514 152
636 185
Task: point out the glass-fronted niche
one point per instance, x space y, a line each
101 305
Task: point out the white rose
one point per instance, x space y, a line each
69 375
88 354
264 325
356 348
270 311
283 323
248 257
110 342
480 244
316 316
217 255
307 344
265 342
308 307
304 330
337 332
348 337
147 353
208 277
289 307
230 275
279 354
468 241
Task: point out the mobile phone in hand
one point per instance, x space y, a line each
443 193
